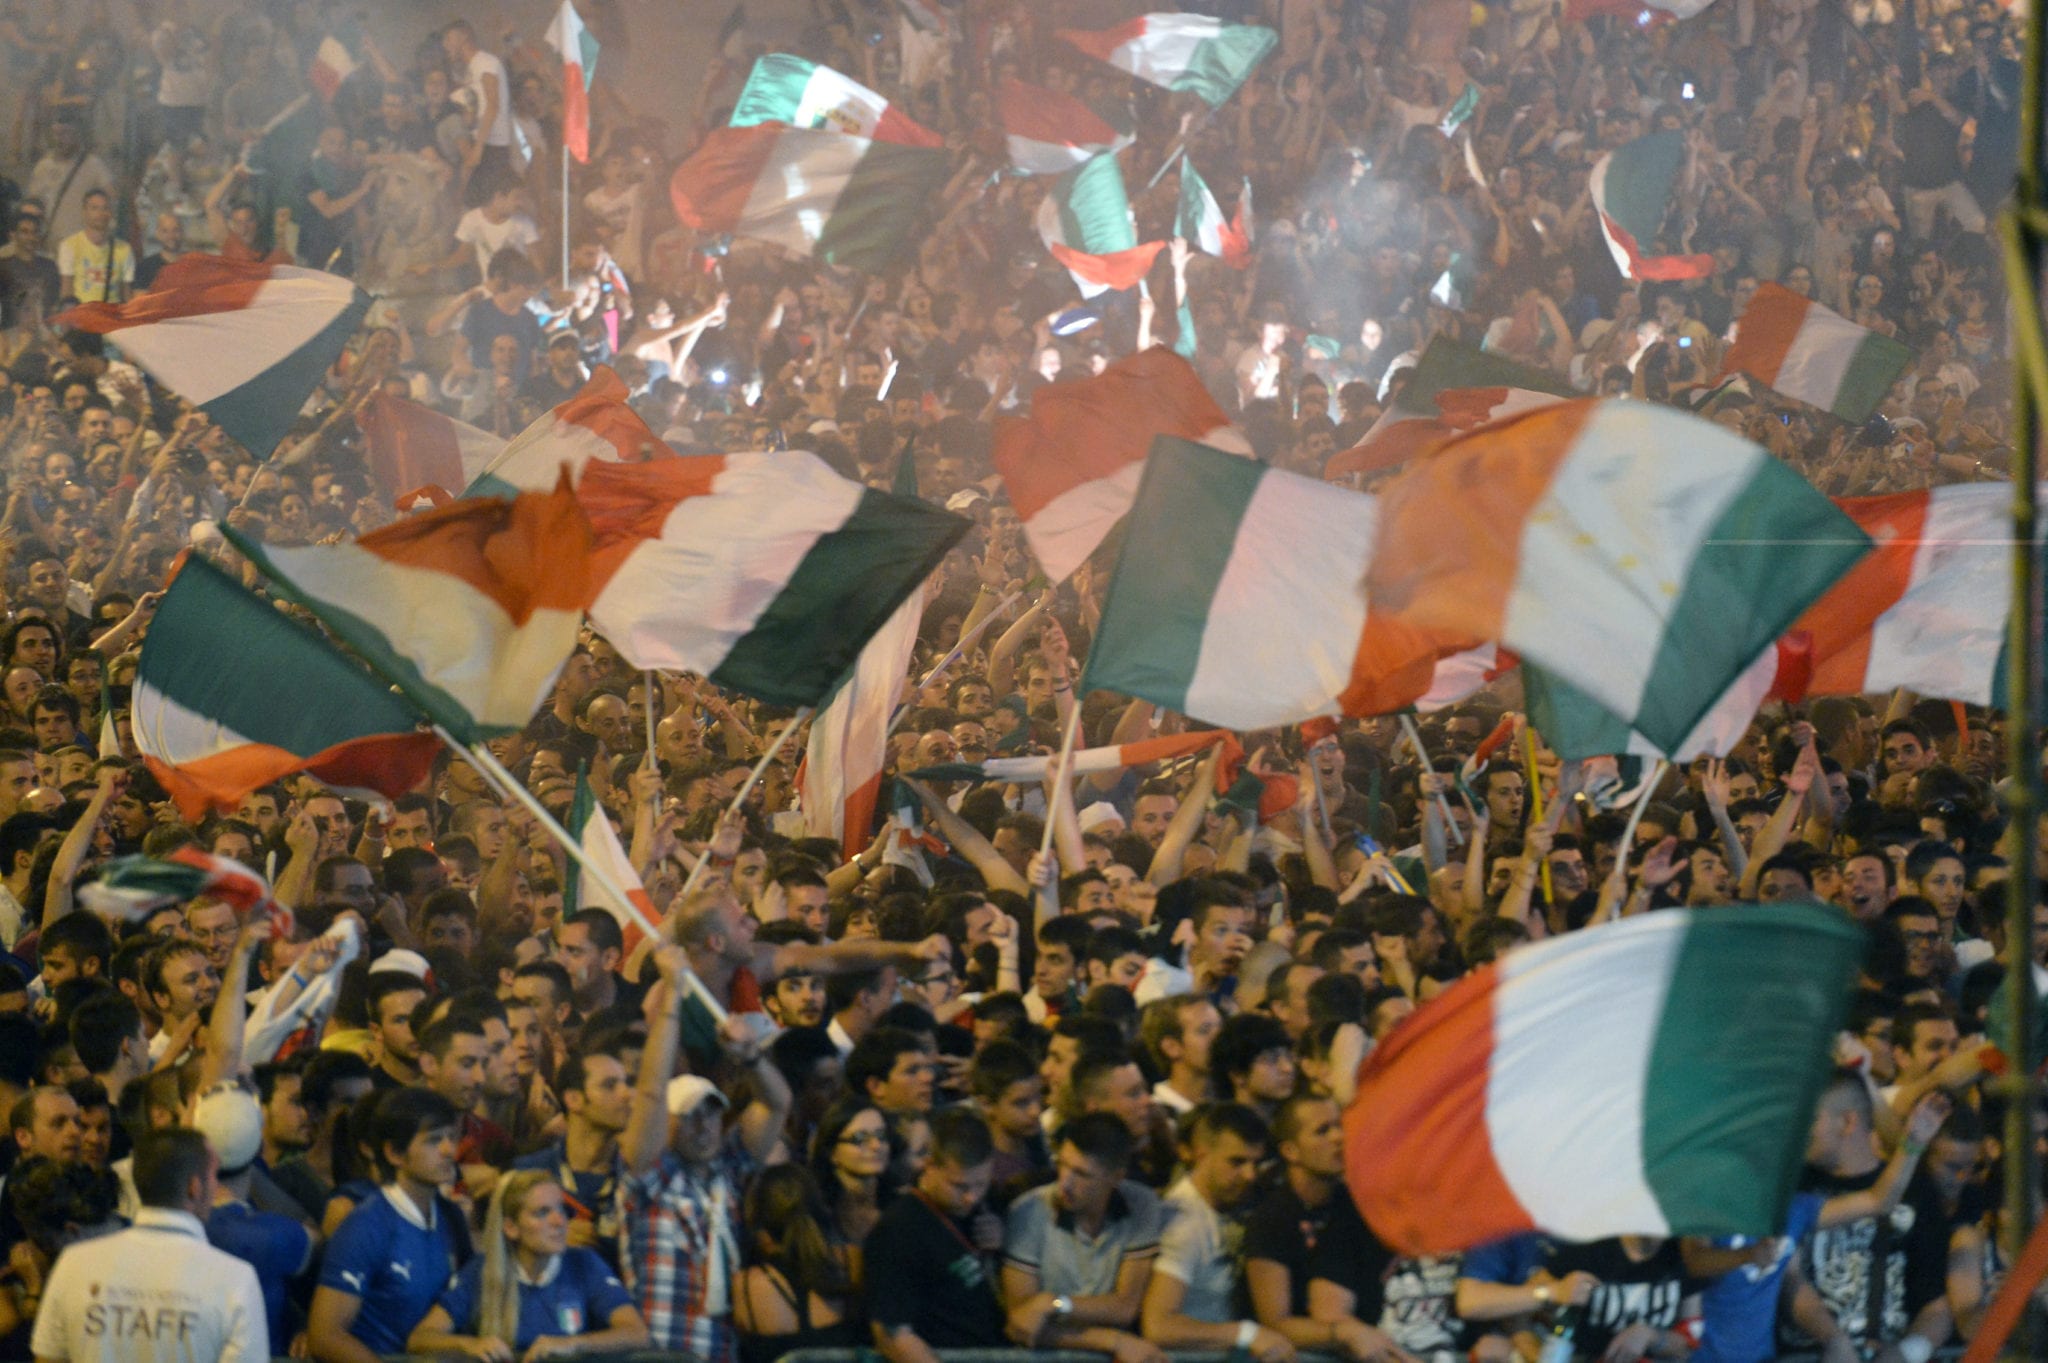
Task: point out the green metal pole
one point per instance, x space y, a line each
2023 745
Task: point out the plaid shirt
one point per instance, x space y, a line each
665 1249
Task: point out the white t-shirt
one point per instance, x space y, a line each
499 134
154 1293
487 238
1199 1249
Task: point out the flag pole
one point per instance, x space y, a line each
565 215
1061 773
494 772
1536 805
753 779
1414 736
966 642
652 687
1635 816
2016 1026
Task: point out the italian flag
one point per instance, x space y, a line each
1822 358
1085 221
1190 52
1071 467
1201 220
129 887
1453 388
330 68
1238 598
596 424
1655 1076
1632 189
803 94
205 708
1049 133
848 747
245 342
409 447
1465 674
1927 610
593 831
850 201
469 609
1092 761
766 573
578 50
1575 726
1571 536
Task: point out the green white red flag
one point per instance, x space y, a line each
1803 350
469 609
1655 1076
1454 388
577 46
205 708
1632 188
1190 52
803 94
1085 221
593 831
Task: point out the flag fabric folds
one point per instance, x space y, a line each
1190 52
1238 598
1091 761
330 68
244 341
767 573
409 446
1072 466
848 201
1632 190
129 887
594 833
1085 221
205 711
849 740
1820 357
1454 388
469 609
1570 536
577 46
803 94
595 424
1655 1076
1202 223
1049 132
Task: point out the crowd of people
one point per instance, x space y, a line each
969 1094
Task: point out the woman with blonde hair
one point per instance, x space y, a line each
529 1296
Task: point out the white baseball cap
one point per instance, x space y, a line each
686 1091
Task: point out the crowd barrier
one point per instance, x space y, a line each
1947 1355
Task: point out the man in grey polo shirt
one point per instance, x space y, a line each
1078 1252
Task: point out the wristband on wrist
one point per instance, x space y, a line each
1247 1330
1914 1349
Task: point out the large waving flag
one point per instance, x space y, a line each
1576 726
130 887
595 424
1085 221
1453 388
593 831
1072 466
330 68
577 47
1819 357
1655 1076
849 741
206 709
243 341
1927 610
1239 599
1202 223
1190 52
469 609
1092 761
1049 133
803 94
1572 536
1632 189
849 201
410 446
767 573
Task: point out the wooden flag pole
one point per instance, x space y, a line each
753 779
494 772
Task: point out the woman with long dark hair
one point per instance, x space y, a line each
796 1293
